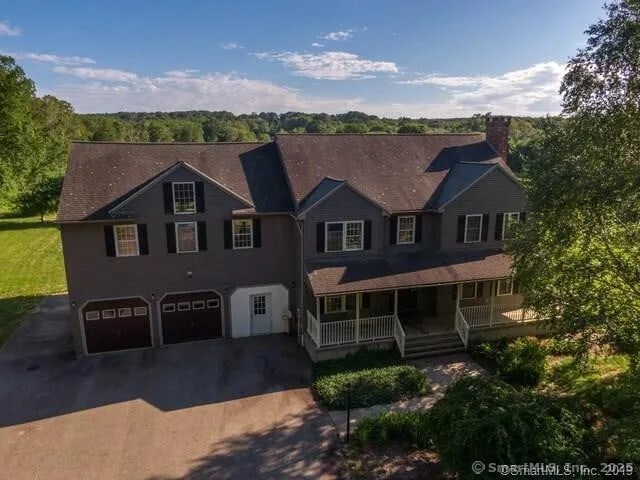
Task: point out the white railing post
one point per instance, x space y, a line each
493 302
358 317
398 333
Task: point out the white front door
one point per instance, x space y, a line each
260 314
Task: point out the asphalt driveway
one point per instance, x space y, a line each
223 409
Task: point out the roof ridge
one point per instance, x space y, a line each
381 134
108 142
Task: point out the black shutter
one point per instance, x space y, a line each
485 227
202 236
168 197
523 217
171 237
199 197
418 235
109 241
461 224
143 243
366 301
228 240
393 229
499 222
480 289
321 300
257 233
320 237
367 235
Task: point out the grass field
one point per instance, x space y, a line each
31 266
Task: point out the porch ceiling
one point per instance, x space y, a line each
405 271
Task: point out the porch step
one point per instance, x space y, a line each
433 345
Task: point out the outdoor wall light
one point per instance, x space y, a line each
189 274
153 295
73 304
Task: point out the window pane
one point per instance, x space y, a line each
504 287
126 240
186 237
469 290
473 228
509 220
354 236
334 304
184 198
334 237
242 233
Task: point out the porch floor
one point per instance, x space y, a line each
417 324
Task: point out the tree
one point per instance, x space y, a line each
579 254
42 198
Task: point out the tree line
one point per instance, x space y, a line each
36 132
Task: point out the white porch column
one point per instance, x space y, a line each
358 295
318 300
492 300
458 296
395 302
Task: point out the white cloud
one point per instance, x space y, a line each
532 90
339 36
230 46
329 65
50 58
98 74
317 45
187 72
7 30
107 90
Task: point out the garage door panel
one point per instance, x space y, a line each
112 325
191 316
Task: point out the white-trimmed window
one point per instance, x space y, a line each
186 237
406 229
184 306
242 233
124 312
92 315
214 303
508 221
140 311
505 287
168 308
473 228
126 240
184 197
197 305
335 304
108 314
344 236
469 290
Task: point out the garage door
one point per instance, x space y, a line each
111 325
191 316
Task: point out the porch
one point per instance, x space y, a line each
401 314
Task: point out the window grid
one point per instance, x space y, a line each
344 236
406 229
184 197
508 220
505 287
186 237
334 237
469 290
354 236
335 304
242 234
126 240
259 305
473 228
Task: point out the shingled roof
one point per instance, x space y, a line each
398 172
102 174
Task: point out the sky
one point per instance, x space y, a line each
428 58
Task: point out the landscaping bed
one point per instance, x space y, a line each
374 377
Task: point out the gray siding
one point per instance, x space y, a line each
345 204
93 275
493 194
430 235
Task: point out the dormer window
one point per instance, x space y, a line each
406 229
184 197
473 228
510 219
344 236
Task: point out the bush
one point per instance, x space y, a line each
360 360
523 362
371 386
561 346
485 419
405 428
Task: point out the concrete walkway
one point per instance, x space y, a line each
440 371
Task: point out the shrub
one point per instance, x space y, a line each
360 360
523 362
405 428
371 386
485 419
561 346
489 354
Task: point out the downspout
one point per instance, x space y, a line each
300 322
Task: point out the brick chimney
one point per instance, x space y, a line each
497 131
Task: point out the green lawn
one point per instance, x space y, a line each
31 260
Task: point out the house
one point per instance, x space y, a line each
338 239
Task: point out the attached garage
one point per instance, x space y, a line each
119 324
191 316
259 310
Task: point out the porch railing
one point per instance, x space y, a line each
398 333
496 314
350 331
462 327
